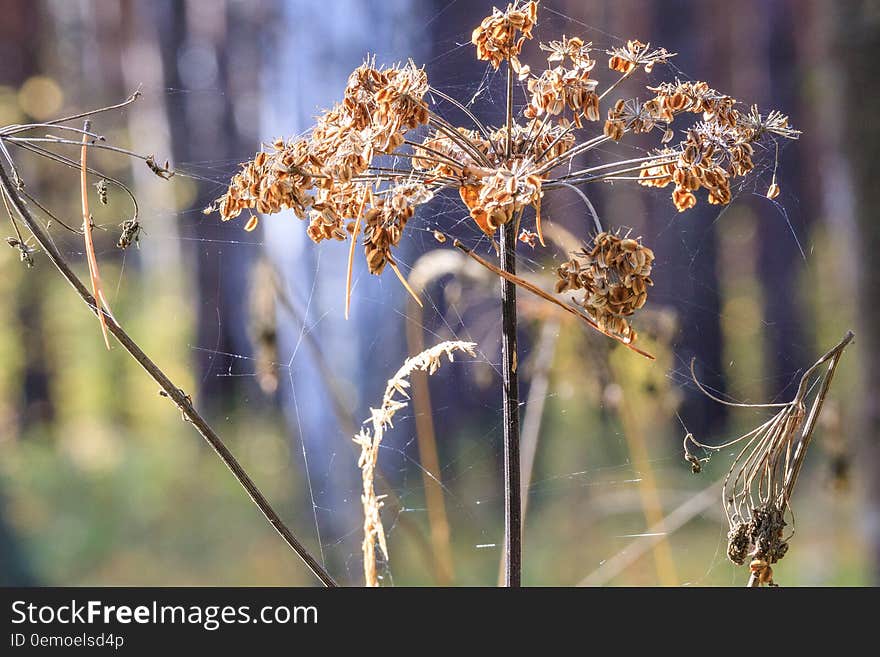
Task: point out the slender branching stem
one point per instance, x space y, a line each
485 132
615 84
510 385
441 125
180 398
71 142
571 153
441 158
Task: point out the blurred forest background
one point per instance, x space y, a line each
101 482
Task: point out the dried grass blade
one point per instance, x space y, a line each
97 290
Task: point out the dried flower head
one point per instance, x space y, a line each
336 178
385 221
501 36
758 488
628 58
614 274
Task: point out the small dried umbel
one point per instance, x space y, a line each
758 488
562 87
615 274
347 176
500 37
385 221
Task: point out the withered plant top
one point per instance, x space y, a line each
333 179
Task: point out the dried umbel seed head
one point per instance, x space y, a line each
498 196
708 159
318 177
696 97
387 100
271 182
627 59
574 49
336 180
385 221
562 87
615 274
501 36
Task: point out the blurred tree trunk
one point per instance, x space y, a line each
776 81
688 279
858 48
18 52
209 48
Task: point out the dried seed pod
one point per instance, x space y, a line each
496 37
614 274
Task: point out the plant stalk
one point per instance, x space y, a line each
510 410
510 383
180 398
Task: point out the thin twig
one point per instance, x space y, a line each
180 398
539 383
631 553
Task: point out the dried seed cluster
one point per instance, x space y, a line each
635 54
496 38
322 178
385 221
715 150
559 86
500 194
615 274
337 180
758 538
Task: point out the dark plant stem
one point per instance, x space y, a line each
180 398
510 382
510 409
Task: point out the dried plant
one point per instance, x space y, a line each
614 275
18 203
757 490
335 177
385 149
369 440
